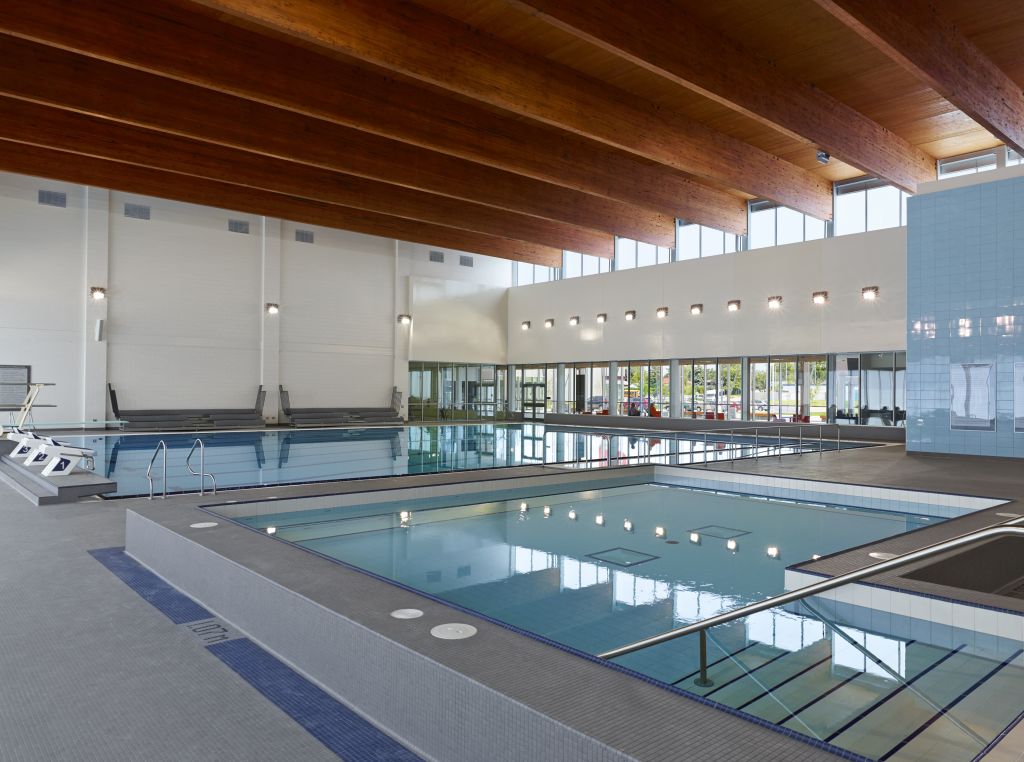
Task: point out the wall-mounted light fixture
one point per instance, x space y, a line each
602 317
823 157
733 305
98 293
574 320
819 297
549 323
775 302
405 319
869 293
272 308
661 312
526 325
696 309
630 314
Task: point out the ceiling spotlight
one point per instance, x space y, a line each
775 302
733 305
696 309
819 297
695 538
772 552
98 293
272 309
526 325
659 532
271 530
572 514
599 519
823 157
869 293
731 545
662 312
574 320
547 511
404 319
627 525
630 314
549 323
602 317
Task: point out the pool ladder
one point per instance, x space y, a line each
202 473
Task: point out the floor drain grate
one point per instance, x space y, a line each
454 631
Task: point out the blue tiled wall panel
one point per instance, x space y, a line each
965 304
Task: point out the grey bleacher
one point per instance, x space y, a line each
305 417
190 420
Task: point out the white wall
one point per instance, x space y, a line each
841 266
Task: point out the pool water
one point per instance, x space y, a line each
259 458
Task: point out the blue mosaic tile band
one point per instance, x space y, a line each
176 606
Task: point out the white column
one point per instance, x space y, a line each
560 389
270 325
745 388
613 388
675 389
96 268
402 305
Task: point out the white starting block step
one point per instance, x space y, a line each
57 458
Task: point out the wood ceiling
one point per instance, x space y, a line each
514 128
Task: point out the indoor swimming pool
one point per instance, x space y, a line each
264 458
595 569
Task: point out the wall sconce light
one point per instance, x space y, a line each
526 325
696 309
272 309
98 293
549 323
404 319
630 314
869 293
602 317
574 320
819 297
661 312
733 305
774 302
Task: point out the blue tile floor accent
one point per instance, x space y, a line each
338 728
177 607
325 718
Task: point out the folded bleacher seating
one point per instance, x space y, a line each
189 420
307 417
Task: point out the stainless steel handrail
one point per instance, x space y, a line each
1009 528
149 471
201 473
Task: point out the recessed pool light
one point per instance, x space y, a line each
407 613
405 515
659 532
549 323
602 317
695 538
733 305
881 555
574 320
526 325
774 302
572 514
731 545
523 506
869 293
599 519
630 314
819 297
696 309
661 312
772 551
547 511
815 557
627 525
271 530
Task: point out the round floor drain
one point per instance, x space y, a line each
453 631
406 613
882 556
203 525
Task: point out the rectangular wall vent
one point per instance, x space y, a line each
53 198
465 261
136 211
238 226
437 256
304 236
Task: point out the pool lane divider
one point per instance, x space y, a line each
333 724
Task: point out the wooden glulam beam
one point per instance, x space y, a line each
916 35
85 170
702 60
77 83
409 40
66 131
161 38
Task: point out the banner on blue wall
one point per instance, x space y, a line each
972 397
